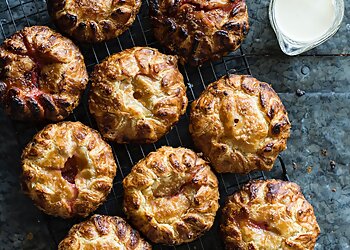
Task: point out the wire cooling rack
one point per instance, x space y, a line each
16 14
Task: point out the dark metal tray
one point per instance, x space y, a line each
16 14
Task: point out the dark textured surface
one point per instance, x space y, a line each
320 128
22 226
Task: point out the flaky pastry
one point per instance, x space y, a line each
240 124
199 30
103 232
171 196
269 215
42 75
137 95
93 20
68 169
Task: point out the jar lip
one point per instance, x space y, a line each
292 47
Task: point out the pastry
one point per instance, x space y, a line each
103 232
137 95
42 75
240 124
68 169
93 20
199 30
171 196
269 215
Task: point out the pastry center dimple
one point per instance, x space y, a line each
210 5
244 121
97 9
70 169
171 198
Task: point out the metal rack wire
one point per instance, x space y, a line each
16 14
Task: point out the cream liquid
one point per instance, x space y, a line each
304 20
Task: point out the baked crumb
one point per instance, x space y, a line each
29 236
324 152
309 169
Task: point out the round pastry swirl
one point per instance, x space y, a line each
240 124
42 75
68 169
270 214
137 95
103 232
199 30
93 20
171 196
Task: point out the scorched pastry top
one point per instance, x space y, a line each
137 95
68 169
93 20
103 232
42 75
171 196
199 30
269 215
240 124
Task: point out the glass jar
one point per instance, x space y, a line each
292 47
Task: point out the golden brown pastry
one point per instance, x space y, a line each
93 20
103 232
68 169
240 124
171 196
199 30
269 215
42 75
137 95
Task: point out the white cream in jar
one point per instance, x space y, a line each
304 20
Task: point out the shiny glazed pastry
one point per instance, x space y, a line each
68 169
269 215
240 124
137 95
199 30
93 20
171 196
103 232
42 75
